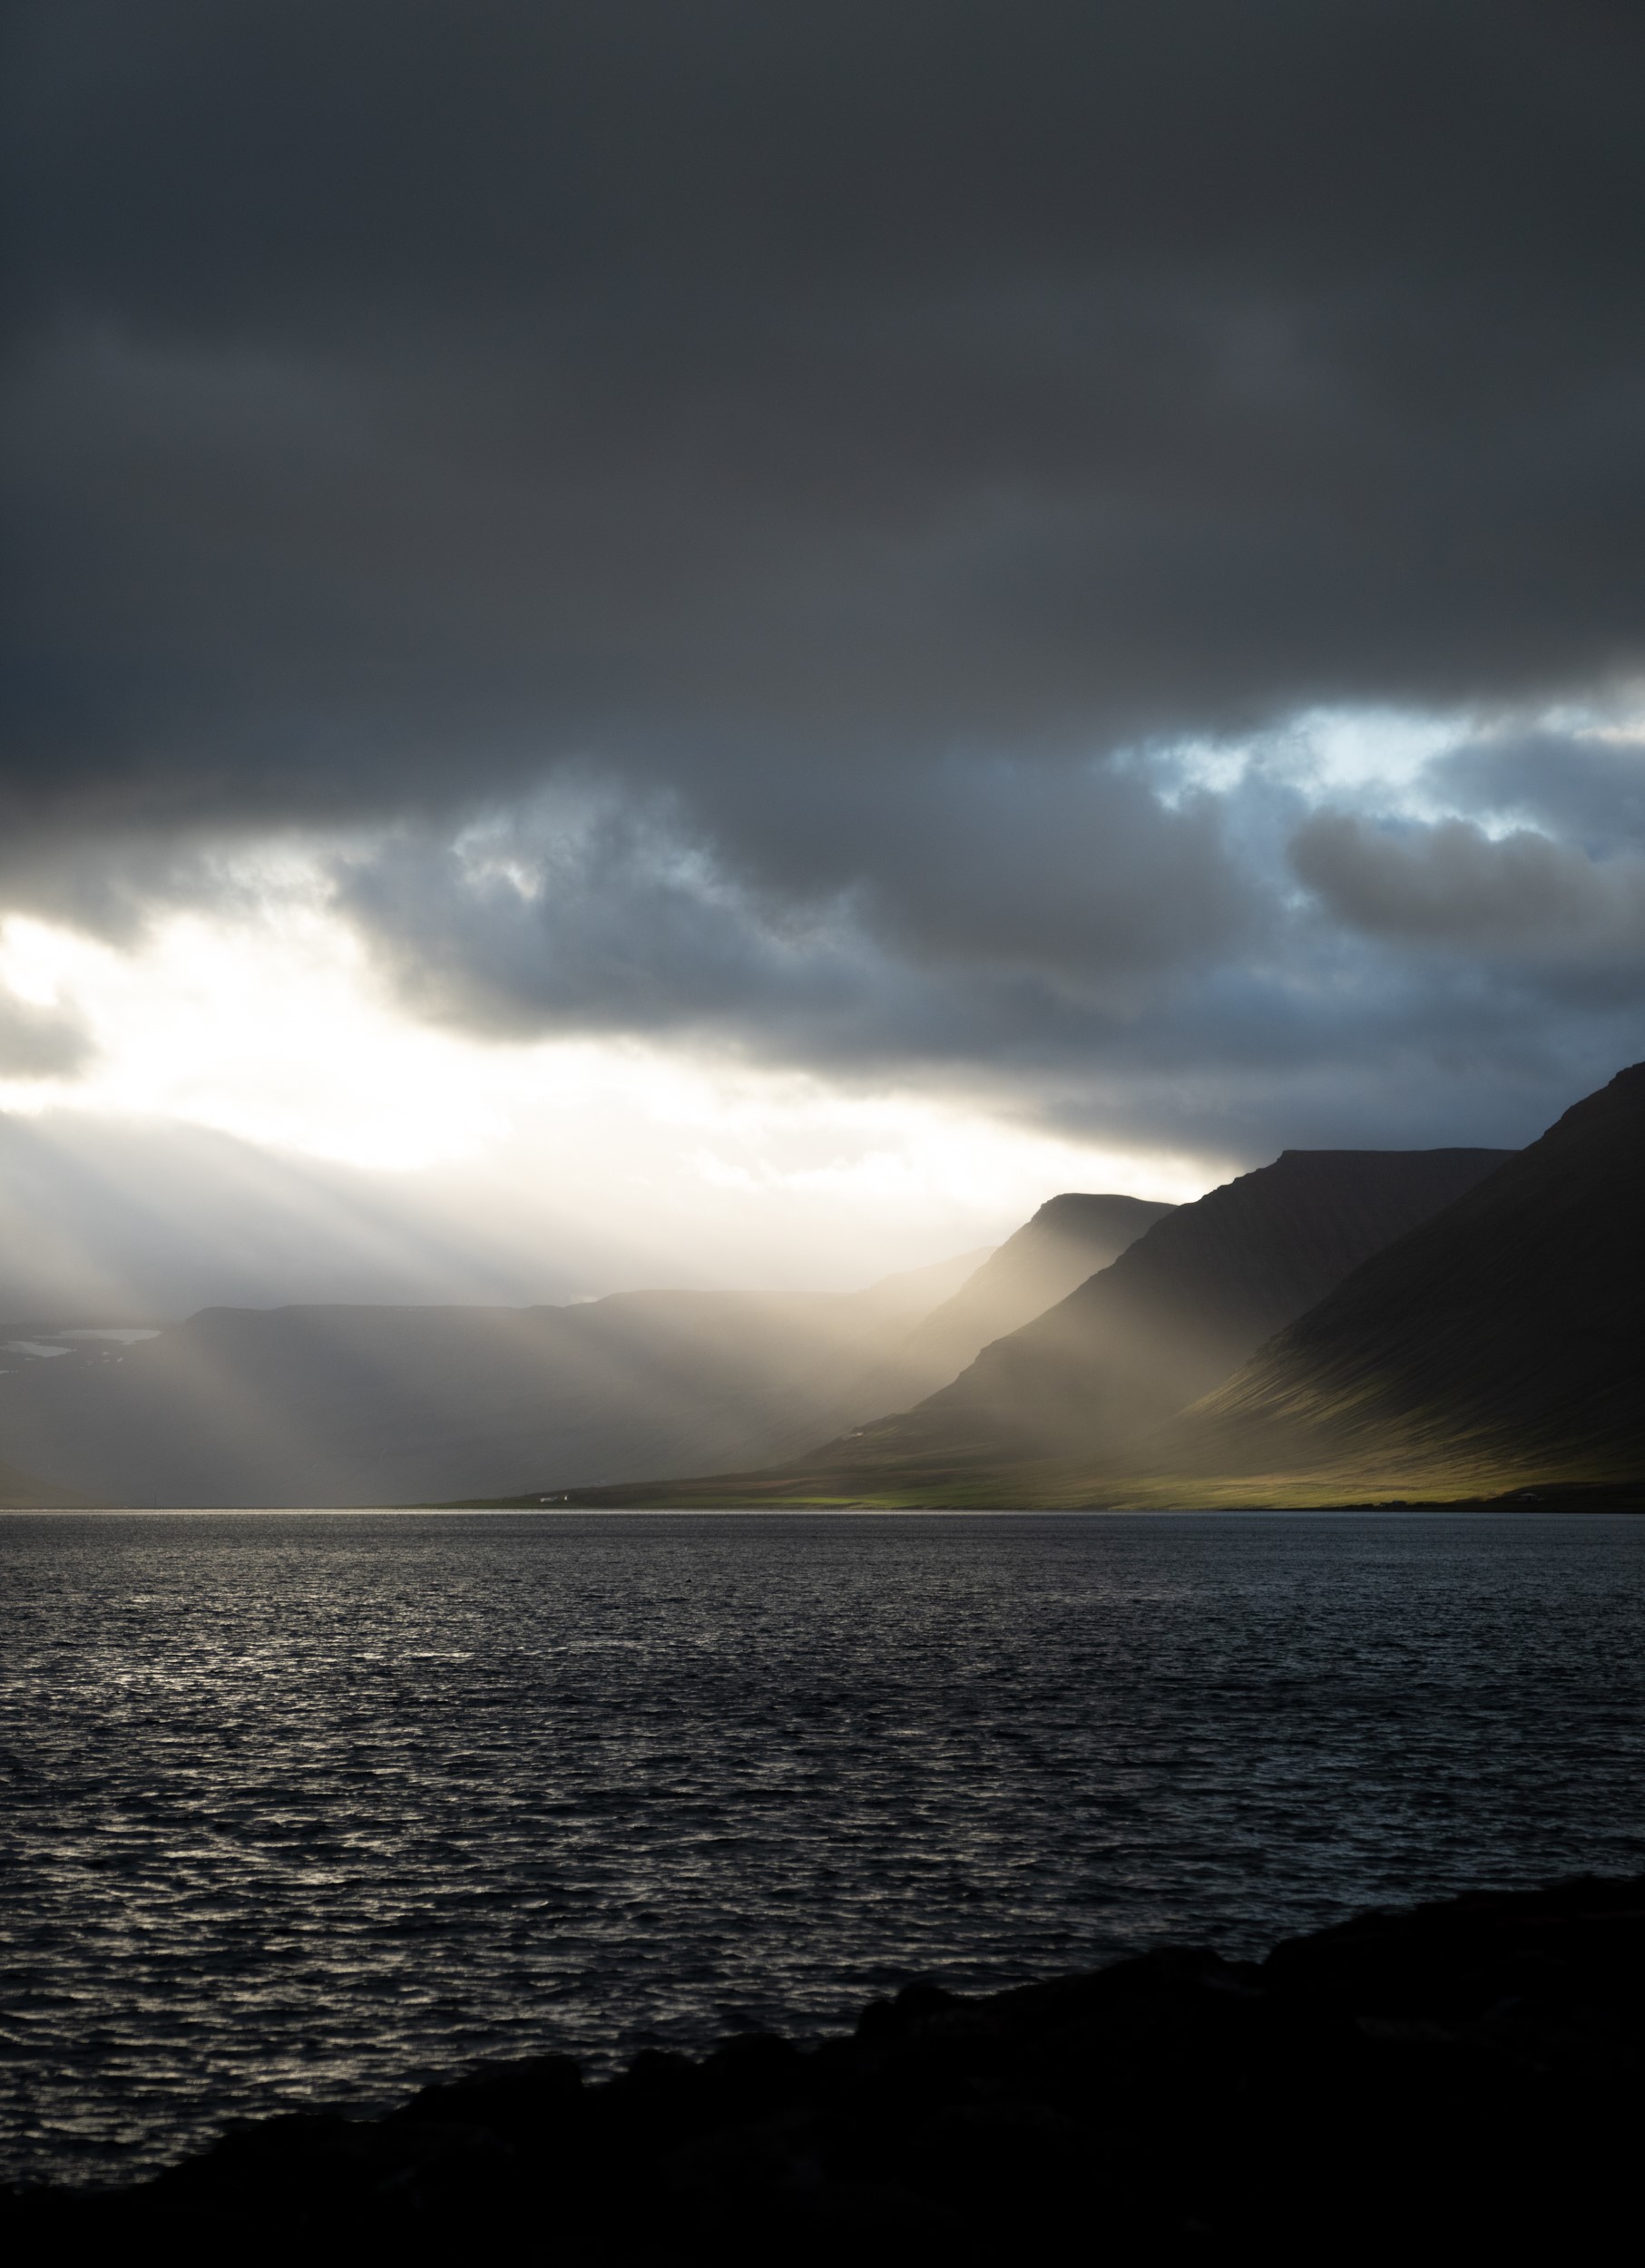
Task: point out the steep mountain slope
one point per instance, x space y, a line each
1071 1237
1175 1314
1181 1308
355 1405
1503 1341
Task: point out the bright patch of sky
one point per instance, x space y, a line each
270 1027
1325 755
1377 761
267 1020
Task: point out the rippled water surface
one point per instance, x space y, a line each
310 1808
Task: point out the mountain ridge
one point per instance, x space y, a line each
1177 1312
1071 1237
1503 1338
359 1404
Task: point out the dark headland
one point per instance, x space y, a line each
1445 2080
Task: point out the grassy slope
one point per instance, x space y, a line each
1055 1488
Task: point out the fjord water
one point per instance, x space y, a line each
309 1809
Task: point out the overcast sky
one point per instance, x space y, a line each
992 590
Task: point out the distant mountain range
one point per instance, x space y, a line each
372 1405
1340 1326
22 1491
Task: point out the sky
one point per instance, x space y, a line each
725 643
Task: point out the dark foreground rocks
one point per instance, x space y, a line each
1463 2080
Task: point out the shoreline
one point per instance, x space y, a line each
1464 2070
1610 1503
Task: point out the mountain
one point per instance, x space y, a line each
1069 1238
368 1405
1081 1387
1500 1344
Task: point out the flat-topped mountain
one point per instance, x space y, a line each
366 1404
1070 1237
1502 1342
1179 1309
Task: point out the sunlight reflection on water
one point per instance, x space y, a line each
308 1809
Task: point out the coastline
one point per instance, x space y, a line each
1462 2072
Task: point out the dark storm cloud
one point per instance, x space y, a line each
1591 790
755 465
1454 884
407 396
910 917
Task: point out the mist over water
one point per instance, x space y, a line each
309 1809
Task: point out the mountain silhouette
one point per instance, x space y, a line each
1502 1342
1070 1237
336 1405
370 1404
1089 1381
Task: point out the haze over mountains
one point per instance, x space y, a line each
1451 1322
121 1221
1177 1312
1181 1308
1339 1323
368 1405
1070 1239
317 1405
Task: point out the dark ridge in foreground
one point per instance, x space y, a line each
1464 2075
1508 1331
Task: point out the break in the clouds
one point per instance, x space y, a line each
822 529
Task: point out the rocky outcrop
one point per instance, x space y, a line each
1447 2080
